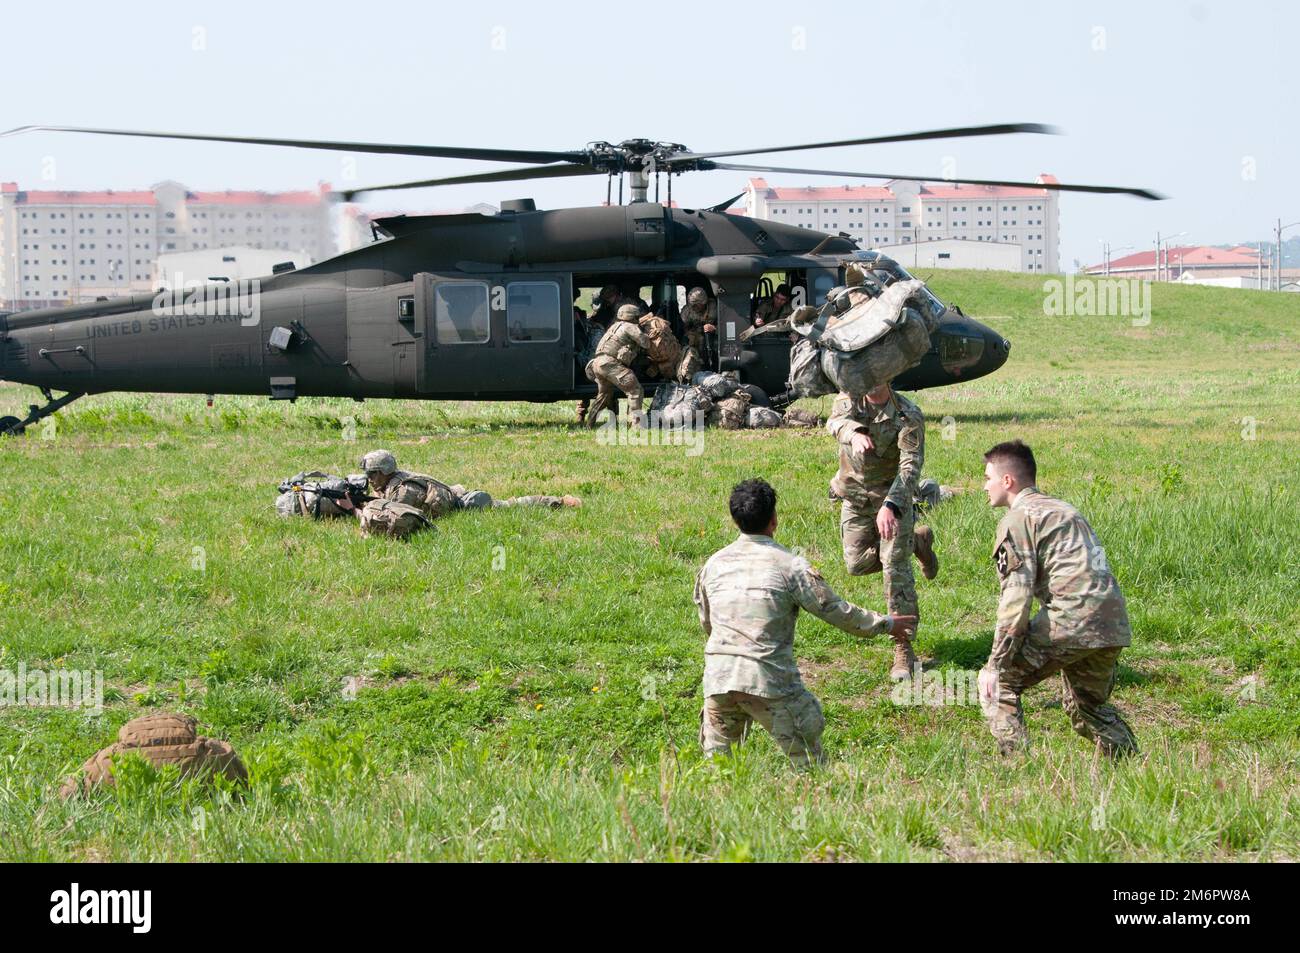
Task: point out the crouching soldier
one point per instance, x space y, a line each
1044 548
611 368
749 595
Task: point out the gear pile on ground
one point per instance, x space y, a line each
717 400
161 739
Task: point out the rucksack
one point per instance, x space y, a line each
675 406
431 497
731 413
717 386
389 518
760 417
320 495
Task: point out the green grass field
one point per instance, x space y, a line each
528 681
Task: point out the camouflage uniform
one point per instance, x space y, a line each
749 595
889 473
662 347
695 318
481 499
611 367
1046 549
866 482
604 314
768 313
930 493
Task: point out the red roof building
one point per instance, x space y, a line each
1202 261
901 212
62 247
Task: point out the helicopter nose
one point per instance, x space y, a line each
996 351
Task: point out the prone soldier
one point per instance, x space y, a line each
435 498
1045 549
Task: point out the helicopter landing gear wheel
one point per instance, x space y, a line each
12 425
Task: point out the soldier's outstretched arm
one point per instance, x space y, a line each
1017 566
813 594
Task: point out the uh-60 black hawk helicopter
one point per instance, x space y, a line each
476 306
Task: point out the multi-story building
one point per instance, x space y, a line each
61 248
904 213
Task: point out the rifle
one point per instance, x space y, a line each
354 488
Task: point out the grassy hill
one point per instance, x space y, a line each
525 684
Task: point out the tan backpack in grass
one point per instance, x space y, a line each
732 413
161 739
389 518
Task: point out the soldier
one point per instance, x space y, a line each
882 448
668 360
435 497
699 318
775 309
606 305
930 493
603 316
1044 548
612 366
749 595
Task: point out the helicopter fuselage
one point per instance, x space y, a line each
466 307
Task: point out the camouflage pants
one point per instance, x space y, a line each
551 501
610 377
794 721
481 499
1087 678
866 553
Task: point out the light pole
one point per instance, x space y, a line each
1106 253
1278 234
1165 240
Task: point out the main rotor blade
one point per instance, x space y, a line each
443 152
505 175
1000 129
1050 186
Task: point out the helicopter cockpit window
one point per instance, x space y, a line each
960 350
461 312
533 311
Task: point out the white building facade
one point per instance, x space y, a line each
901 213
63 248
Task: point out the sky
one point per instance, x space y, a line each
1193 99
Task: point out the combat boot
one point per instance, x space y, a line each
904 658
923 547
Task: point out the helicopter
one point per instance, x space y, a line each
480 306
